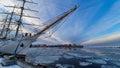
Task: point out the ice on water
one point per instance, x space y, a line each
64 66
84 63
44 55
97 61
50 55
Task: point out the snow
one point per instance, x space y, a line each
12 66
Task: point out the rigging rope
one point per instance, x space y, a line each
55 29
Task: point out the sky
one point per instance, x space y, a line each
94 22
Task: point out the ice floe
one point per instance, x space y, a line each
117 63
44 60
108 66
64 66
79 55
97 61
84 63
67 56
33 52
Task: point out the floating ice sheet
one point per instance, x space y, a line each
97 61
64 66
84 63
108 66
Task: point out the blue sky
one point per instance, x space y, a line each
93 21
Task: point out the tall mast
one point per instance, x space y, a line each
19 21
21 15
9 23
22 8
5 21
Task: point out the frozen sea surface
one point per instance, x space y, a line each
75 57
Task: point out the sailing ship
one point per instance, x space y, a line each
19 42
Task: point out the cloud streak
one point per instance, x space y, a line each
103 39
108 21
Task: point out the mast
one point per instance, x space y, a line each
19 21
21 15
56 21
9 23
5 21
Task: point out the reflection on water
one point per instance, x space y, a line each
77 58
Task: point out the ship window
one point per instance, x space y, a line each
26 34
22 45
